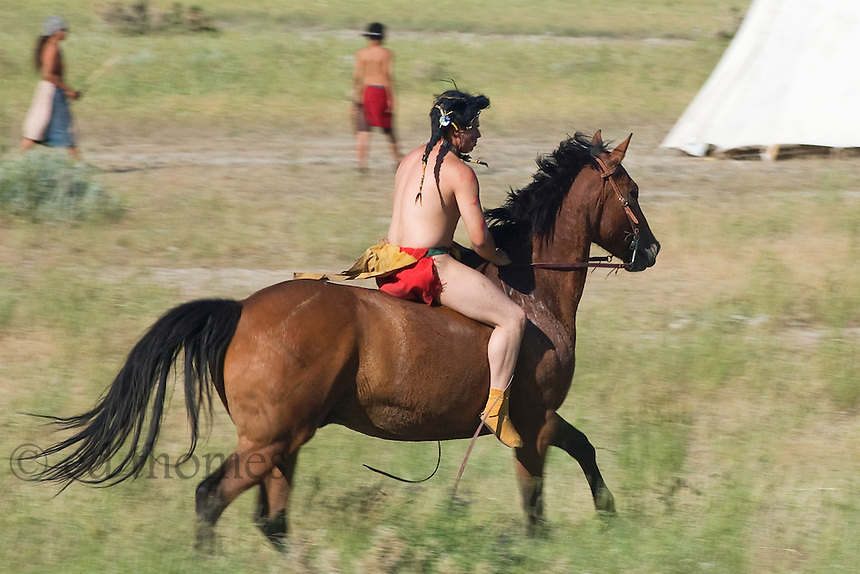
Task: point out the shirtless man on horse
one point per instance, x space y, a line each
428 203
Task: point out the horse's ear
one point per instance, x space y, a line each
621 149
597 140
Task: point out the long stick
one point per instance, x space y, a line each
97 73
475 437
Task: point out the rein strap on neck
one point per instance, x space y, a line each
574 265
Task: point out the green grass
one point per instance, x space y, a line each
717 412
52 187
720 387
291 66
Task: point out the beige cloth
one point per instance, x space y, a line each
39 116
377 261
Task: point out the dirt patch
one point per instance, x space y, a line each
319 171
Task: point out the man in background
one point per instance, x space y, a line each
373 93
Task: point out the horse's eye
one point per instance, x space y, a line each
634 194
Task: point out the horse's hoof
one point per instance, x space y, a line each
279 542
205 542
604 502
275 530
537 529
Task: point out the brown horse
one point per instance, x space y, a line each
302 354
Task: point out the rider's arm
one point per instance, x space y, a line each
469 203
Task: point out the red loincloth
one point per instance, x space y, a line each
418 282
376 107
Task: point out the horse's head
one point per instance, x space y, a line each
621 227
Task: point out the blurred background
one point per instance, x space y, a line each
720 387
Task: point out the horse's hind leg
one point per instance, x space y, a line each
270 514
558 432
243 469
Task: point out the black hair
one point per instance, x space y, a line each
375 31
452 110
40 46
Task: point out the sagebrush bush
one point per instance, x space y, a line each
44 186
138 18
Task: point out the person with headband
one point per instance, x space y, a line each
435 187
373 93
49 120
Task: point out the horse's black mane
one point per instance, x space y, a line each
536 206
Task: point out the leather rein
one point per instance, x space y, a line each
605 262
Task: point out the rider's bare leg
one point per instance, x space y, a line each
474 295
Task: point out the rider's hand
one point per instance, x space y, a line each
502 258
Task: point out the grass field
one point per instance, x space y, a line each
721 387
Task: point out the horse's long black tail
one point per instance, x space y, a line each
204 329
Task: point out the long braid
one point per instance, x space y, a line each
436 135
450 109
40 46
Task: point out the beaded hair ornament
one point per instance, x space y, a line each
445 122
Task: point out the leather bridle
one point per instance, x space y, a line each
606 175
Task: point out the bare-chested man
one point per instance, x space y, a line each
373 92
434 188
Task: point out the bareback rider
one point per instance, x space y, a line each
428 204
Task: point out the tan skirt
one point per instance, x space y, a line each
40 111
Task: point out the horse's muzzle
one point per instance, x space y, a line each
644 257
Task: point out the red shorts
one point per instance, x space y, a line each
418 282
376 107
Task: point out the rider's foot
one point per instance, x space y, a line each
496 411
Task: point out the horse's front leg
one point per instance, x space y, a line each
558 432
530 460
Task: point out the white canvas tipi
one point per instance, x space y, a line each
791 76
